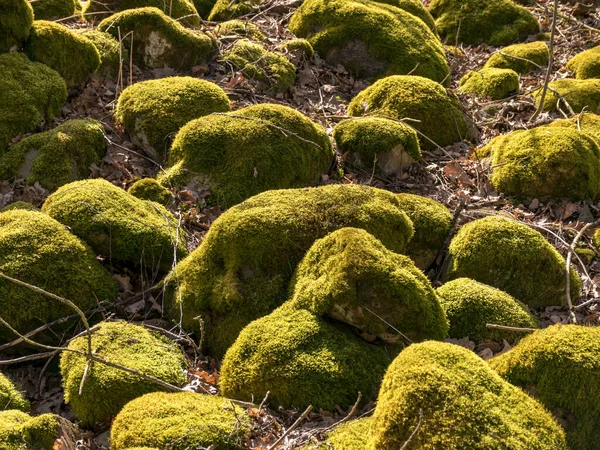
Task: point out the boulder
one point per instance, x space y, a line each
10 397
519 57
571 96
492 83
19 430
111 54
16 18
586 64
150 189
587 123
54 9
183 11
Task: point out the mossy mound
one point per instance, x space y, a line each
242 269
110 52
297 49
511 256
20 431
108 389
38 250
473 22
560 366
20 205
16 18
183 11
388 145
10 397
117 225
351 277
258 63
371 39
248 151
352 435
153 111
414 7
54 9
180 421
58 156
239 28
545 163
73 56
150 189
159 40
224 10
581 95
493 83
587 123
470 305
31 93
302 360
463 403
404 96
518 56
586 64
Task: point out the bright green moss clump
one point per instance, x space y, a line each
180 421
414 7
10 398
150 189
465 405
297 49
110 53
20 431
560 366
586 64
16 18
587 123
536 52
240 28
20 205
177 9
352 435
108 389
117 225
493 83
579 94
511 256
153 111
53 9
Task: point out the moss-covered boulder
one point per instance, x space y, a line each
111 54
587 123
581 95
560 367
371 39
436 116
153 111
511 257
519 57
31 93
492 82
183 11
545 163
58 156
352 435
150 189
108 389
242 269
351 277
463 404
20 205
117 225
159 41
414 7
54 9
472 22
238 27
20 431
73 56
251 150
16 18
586 64
10 397
297 49
38 250
387 145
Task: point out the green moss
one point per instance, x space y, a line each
53 9
493 83
587 123
183 11
579 94
464 404
560 367
352 435
596 239
117 225
159 40
19 431
10 397
472 22
58 156
242 269
537 52
16 18
371 39
180 421
414 7
400 97
387 144
20 205
32 92
110 53
153 111
545 163
240 28
249 151
587 255
298 48
224 10
511 256
351 277
586 64
150 189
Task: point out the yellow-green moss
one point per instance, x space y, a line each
596 239
153 111
19 431
20 205
587 123
298 48
465 405
579 94
110 53
180 421
587 255
117 225
224 10
512 257
16 18
183 11
414 7
352 435
10 397
586 64
150 189
492 82
243 268
240 28
410 97
560 366
537 52
53 9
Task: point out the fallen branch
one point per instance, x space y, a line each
507 328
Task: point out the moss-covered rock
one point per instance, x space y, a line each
159 40
117 225
183 11
586 64
297 49
16 18
587 123
492 82
463 403
388 145
352 435
511 256
371 39
579 94
58 156
242 269
153 111
31 93
560 366
251 150
180 421
73 56
519 57
239 28
110 52
53 9
472 22
545 163
10 397
404 96
108 389
38 250
20 431
20 205
351 277
150 189
414 7
226 10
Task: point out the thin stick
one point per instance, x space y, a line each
293 427
348 416
35 357
507 328
415 431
